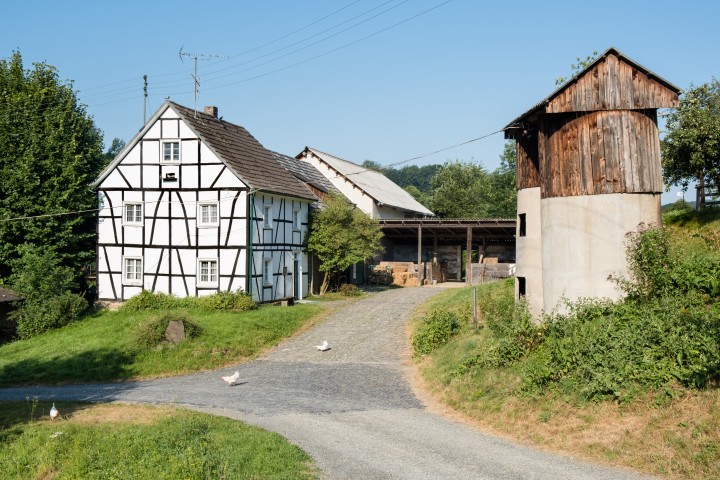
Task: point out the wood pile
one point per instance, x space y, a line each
396 273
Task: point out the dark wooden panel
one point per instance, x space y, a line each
528 175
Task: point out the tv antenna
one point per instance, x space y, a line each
196 57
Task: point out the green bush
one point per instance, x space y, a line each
237 300
147 300
435 330
46 287
151 333
36 317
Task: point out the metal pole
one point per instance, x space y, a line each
475 319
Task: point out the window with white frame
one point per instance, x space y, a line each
208 214
208 272
296 219
132 271
132 213
171 151
267 271
267 220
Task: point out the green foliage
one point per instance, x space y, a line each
578 67
147 300
435 330
341 235
50 152
468 190
237 300
35 318
46 286
691 146
151 332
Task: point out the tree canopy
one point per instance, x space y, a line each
341 235
691 146
50 152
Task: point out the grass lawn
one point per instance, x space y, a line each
101 347
132 441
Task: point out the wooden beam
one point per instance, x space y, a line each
420 271
468 256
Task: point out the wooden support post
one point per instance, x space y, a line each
420 271
468 256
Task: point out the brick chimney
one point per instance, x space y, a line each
212 111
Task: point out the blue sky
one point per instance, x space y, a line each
385 80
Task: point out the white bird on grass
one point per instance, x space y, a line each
324 346
231 379
54 412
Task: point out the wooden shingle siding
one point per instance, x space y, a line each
596 153
612 85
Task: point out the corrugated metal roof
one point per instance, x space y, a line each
373 183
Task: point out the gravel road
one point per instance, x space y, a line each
351 408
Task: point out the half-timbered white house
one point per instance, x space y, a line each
194 205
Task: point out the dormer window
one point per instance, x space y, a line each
171 151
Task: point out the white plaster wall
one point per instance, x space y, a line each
528 254
584 242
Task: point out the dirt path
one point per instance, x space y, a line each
351 408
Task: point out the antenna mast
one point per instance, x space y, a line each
145 99
196 57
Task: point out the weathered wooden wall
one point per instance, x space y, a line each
615 151
612 84
528 161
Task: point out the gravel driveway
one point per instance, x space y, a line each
351 408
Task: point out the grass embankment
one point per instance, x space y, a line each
132 441
104 347
633 383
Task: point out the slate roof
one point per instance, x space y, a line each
255 165
375 184
305 172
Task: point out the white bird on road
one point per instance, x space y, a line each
54 412
231 379
324 346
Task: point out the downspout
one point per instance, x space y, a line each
251 261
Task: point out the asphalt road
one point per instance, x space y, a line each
351 408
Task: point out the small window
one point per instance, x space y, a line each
171 151
132 214
208 272
521 287
267 220
522 226
296 219
267 271
132 271
208 214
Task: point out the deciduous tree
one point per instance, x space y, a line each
341 236
50 151
691 146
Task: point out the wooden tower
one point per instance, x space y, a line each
588 172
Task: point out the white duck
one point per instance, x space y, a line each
54 412
324 347
231 379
